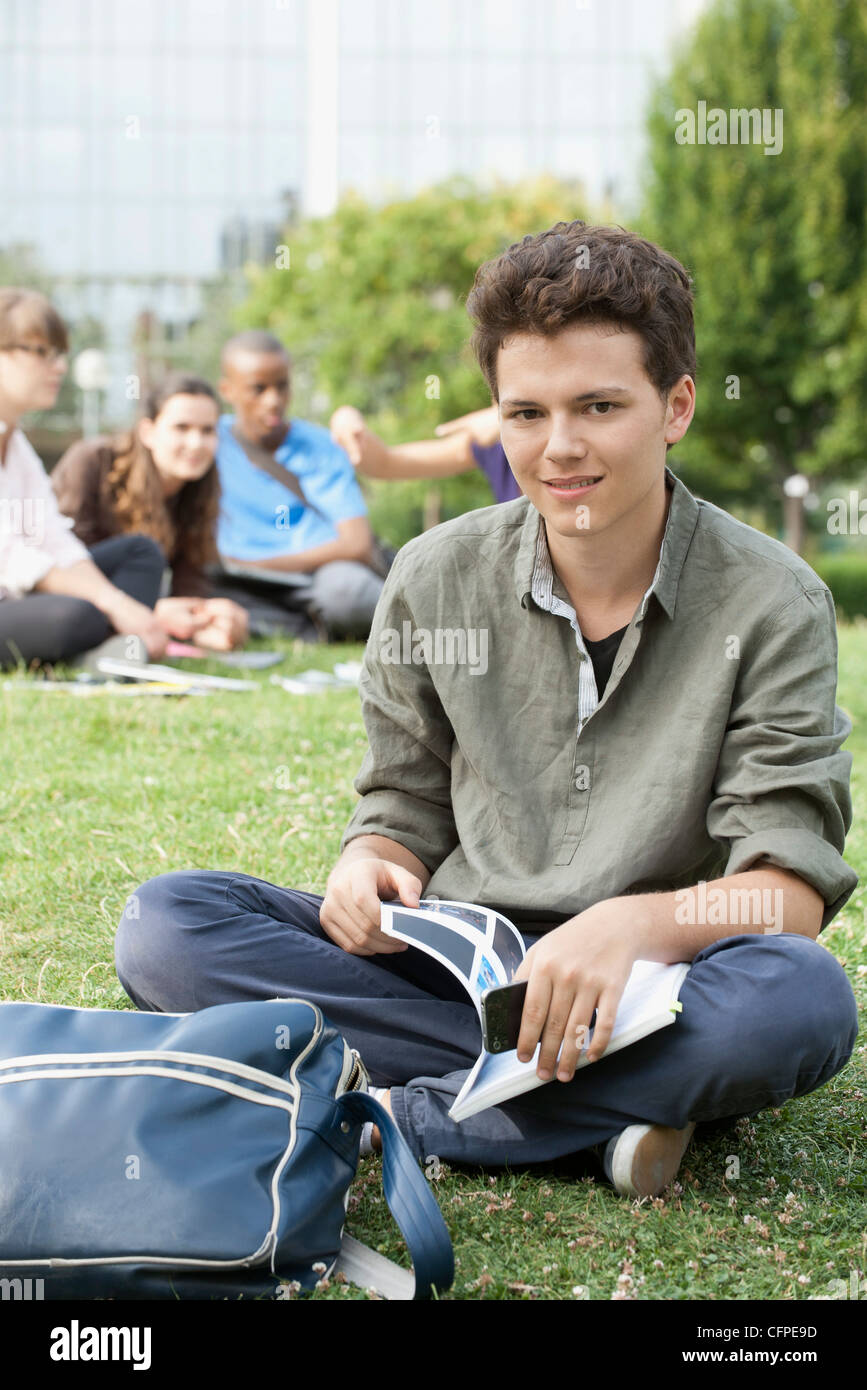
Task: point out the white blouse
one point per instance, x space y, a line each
34 534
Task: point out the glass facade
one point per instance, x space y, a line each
148 144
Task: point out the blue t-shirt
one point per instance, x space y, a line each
259 517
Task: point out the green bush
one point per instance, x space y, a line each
846 577
397 509
371 300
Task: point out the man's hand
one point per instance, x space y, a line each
350 911
578 967
354 542
483 426
347 430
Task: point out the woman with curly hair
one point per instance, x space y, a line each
58 598
159 478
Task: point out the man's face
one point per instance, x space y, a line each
256 384
579 406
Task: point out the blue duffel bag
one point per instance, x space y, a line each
203 1155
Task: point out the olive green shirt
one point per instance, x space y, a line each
715 745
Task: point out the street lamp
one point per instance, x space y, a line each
795 489
90 374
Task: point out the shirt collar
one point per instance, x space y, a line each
679 528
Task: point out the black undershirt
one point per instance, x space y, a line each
603 654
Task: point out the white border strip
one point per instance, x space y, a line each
198 1059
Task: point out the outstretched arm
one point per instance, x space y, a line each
425 458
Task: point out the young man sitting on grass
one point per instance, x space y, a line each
656 711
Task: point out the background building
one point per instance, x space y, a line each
148 146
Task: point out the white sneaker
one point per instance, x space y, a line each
643 1159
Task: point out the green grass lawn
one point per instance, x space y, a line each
100 794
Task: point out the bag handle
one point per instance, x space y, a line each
414 1208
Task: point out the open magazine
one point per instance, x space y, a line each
482 949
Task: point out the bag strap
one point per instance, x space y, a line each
381 556
262 459
414 1208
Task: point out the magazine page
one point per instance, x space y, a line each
479 947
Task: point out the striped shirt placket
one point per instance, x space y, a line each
542 591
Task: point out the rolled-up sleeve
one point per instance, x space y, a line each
782 787
405 777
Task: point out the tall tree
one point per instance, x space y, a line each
776 242
371 300
371 303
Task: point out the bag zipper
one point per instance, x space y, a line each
358 1079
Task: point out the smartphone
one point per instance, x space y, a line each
502 1006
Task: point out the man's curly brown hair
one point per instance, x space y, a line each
577 273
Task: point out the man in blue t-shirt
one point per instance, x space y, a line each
309 528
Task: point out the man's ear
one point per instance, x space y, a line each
679 409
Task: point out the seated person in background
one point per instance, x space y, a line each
313 525
160 479
57 598
471 441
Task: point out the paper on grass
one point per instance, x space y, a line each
88 688
171 675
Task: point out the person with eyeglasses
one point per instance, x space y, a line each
57 597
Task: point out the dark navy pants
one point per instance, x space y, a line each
49 627
764 1018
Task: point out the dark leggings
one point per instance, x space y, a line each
57 627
